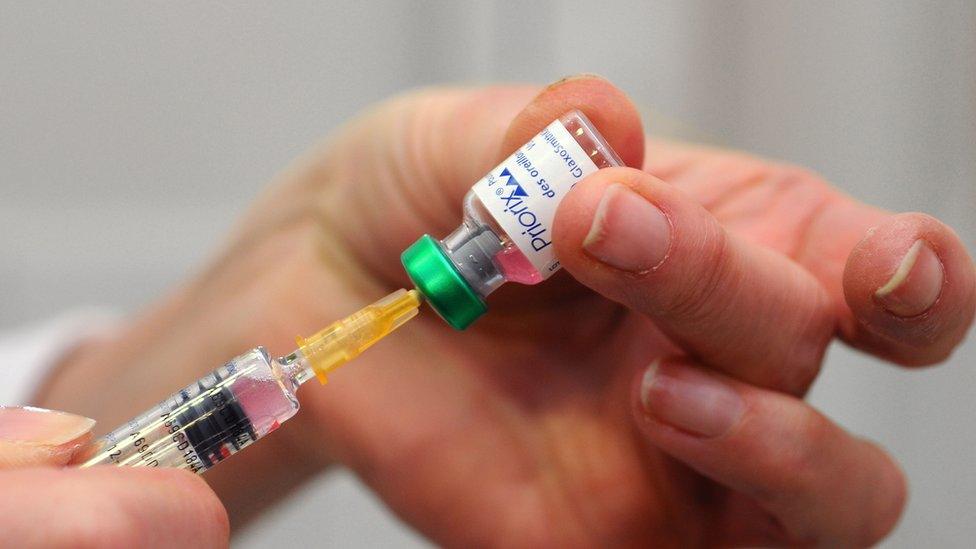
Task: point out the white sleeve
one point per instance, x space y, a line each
27 354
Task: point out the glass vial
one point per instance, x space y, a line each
506 230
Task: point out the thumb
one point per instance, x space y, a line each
35 436
911 287
402 170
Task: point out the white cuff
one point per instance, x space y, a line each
27 354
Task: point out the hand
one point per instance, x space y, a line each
43 504
670 412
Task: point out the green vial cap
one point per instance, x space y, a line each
442 285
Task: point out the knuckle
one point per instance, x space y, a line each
797 176
803 368
698 298
889 495
814 434
805 356
800 463
872 487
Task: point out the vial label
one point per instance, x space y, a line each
522 192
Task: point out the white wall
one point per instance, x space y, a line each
132 135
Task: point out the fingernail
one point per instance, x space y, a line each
628 232
690 400
40 427
916 283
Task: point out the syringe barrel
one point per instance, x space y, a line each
207 421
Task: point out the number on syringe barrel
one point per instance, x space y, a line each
194 429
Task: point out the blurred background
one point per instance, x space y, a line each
131 136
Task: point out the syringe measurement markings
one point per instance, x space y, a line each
152 427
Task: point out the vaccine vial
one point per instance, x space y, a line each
506 230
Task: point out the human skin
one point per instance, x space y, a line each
650 394
43 504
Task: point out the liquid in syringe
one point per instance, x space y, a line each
245 399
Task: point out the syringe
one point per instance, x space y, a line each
245 399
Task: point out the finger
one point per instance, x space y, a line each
35 436
110 507
406 166
739 307
822 485
821 228
912 288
